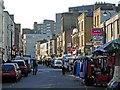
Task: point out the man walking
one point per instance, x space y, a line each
35 65
63 68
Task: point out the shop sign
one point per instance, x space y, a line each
97 31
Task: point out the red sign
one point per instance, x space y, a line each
96 31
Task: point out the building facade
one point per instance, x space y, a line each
38 27
85 23
1 29
8 35
44 49
29 43
98 18
58 23
47 27
68 22
59 45
17 39
75 41
81 9
112 27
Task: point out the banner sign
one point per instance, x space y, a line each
97 32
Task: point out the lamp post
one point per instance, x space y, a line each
104 25
9 27
105 14
71 43
104 33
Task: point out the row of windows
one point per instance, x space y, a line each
96 21
81 26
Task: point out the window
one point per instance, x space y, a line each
97 20
82 40
82 26
48 25
111 30
118 29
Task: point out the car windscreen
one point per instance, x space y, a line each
7 67
32 59
27 61
58 62
19 63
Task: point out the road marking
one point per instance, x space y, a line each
50 69
47 70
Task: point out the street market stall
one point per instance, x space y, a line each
113 48
102 71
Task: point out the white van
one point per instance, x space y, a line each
57 64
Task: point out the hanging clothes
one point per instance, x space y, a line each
89 72
74 68
84 67
81 69
77 68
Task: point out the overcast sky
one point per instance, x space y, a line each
27 12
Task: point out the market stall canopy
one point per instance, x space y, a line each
100 49
110 46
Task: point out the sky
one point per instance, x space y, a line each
26 12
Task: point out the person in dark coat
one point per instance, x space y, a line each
35 65
63 68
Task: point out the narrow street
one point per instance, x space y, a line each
47 78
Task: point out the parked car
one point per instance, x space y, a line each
11 71
28 63
57 64
23 66
19 71
18 58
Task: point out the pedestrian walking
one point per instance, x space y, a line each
43 62
35 67
63 68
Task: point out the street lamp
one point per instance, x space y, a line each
106 13
71 43
9 27
104 36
